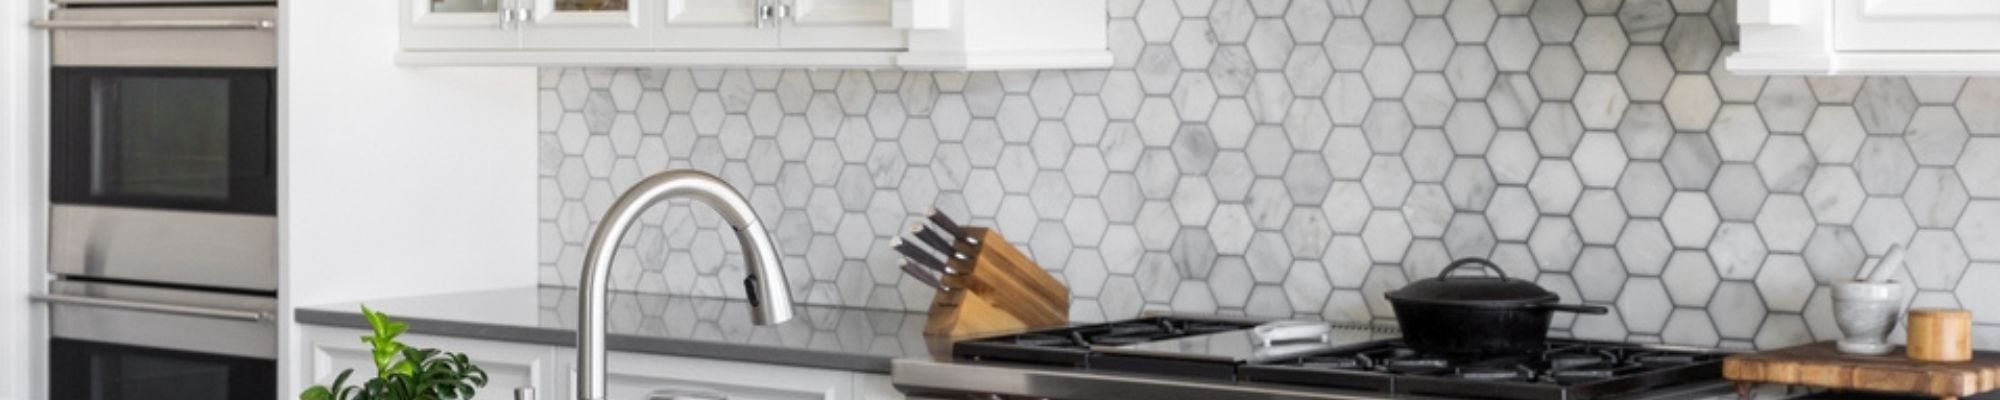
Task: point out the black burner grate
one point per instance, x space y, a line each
1578 370
1567 370
1071 346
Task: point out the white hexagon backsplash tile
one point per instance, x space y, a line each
1274 158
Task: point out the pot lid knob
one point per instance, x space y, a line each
1463 262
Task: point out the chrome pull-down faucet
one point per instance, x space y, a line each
770 298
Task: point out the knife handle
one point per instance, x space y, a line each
912 253
949 226
931 237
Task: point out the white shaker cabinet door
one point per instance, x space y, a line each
714 24
1916 25
843 24
875 387
647 377
508 365
457 24
589 24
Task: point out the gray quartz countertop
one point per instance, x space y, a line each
820 337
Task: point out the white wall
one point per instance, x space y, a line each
397 181
20 204
13 266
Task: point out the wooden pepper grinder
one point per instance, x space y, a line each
1940 335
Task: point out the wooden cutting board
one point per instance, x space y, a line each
1820 365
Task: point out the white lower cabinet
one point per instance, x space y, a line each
508 365
645 376
551 370
873 387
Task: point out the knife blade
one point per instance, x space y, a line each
932 238
923 276
921 257
945 223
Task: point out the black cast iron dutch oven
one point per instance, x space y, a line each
1477 314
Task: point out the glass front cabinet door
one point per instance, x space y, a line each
461 24
526 24
716 25
1916 25
589 24
842 24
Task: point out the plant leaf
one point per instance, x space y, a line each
383 342
340 383
404 372
316 393
376 320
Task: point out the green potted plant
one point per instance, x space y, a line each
403 372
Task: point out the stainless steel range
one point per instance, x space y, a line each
1218 358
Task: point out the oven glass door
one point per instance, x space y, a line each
86 370
194 139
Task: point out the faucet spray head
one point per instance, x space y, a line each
766 287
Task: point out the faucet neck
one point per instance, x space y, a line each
771 300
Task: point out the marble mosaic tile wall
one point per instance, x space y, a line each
1299 158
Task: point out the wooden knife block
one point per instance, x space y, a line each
1000 291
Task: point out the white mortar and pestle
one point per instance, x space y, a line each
1868 307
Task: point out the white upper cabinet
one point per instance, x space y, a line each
588 24
1004 34
1868 37
910 34
834 24
1917 25
459 24
714 24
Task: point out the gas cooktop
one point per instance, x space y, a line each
1351 359
1568 369
1072 346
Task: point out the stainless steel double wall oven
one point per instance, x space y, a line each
163 187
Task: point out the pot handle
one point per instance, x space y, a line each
1462 262
1577 308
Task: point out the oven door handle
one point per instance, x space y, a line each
258 24
206 312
